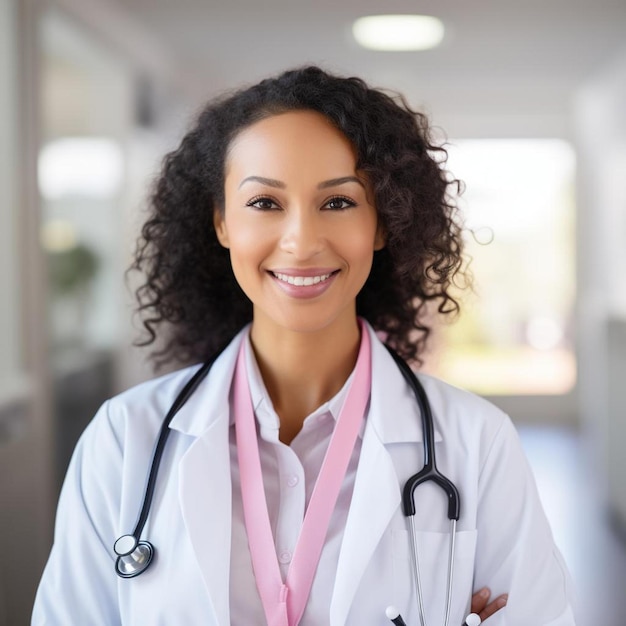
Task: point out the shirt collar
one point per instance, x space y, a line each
393 412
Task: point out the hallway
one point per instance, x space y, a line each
594 552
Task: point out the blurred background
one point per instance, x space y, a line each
531 98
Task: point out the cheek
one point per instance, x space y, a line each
366 257
249 244
359 254
360 244
240 233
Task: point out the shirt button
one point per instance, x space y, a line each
292 481
285 557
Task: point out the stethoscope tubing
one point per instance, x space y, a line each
428 472
452 538
129 545
135 556
184 395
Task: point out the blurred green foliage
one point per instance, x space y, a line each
71 269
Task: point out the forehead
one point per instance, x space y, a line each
294 142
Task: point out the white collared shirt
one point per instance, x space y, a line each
289 475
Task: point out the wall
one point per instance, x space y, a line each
25 450
601 137
27 438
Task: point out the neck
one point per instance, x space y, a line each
302 370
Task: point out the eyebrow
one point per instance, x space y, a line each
333 182
272 182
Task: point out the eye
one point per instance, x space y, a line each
263 203
339 202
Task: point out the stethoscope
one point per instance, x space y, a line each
135 555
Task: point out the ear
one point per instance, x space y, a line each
380 239
219 223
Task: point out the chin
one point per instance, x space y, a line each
307 322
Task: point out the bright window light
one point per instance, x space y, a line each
398 32
80 166
515 332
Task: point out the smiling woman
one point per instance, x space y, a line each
298 232
301 243
384 149
301 220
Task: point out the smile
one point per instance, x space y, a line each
302 281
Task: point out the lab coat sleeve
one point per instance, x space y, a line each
515 551
79 584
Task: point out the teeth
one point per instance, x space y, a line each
302 280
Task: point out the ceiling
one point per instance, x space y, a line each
503 65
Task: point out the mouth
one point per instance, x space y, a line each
303 281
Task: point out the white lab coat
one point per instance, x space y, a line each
503 538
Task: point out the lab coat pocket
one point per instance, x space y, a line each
433 549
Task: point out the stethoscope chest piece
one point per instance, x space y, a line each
133 556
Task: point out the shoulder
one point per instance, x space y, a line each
148 402
464 415
452 407
467 423
145 405
455 404
136 413
115 449
127 425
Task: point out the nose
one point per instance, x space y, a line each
303 234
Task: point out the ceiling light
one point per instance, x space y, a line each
398 32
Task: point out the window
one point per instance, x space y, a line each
514 335
84 105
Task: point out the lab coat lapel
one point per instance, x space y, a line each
375 499
376 496
205 497
204 479
393 417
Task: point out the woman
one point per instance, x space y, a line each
300 220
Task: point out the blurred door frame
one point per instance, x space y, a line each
25 442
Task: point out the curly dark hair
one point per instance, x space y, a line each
190 289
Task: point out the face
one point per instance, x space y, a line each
299 222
